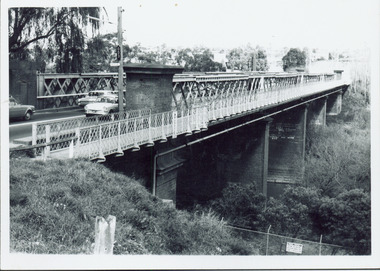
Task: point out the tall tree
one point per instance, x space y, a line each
294 58
62 28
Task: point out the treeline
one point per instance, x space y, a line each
101 51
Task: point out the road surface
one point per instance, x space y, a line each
21 129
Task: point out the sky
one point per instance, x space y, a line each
325 24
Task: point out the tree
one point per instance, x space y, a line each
248 58
292 214
197 60
346 220
100 52
294 58
185 58
60 28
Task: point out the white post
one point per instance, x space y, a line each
71 149
104 234
320 245
34 133
266 252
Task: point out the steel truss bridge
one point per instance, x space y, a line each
199 101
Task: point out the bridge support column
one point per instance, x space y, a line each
286 150
334 104
259 159
166 171
317 113
243 156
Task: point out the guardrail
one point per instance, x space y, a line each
94 138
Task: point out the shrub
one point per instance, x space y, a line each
346 220
241 205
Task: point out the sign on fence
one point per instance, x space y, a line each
294 247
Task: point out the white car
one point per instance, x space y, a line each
103 105
18 110
92 95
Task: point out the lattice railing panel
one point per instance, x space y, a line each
63 90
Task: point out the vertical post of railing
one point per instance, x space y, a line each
77 135
119 150
261 92
150 140
213 110
188 131
100 154
163 134
47 148
71 148
204 119
266 251
197 117
174 123
34 133
320 245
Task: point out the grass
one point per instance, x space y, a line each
54 205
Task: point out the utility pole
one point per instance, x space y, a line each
120 56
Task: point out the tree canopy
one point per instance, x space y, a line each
247 59
294 58
57 31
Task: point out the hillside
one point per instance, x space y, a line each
53 206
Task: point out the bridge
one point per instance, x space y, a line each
256 123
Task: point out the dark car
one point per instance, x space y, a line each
18 110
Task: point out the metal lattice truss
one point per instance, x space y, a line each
63 90
189 90
96 137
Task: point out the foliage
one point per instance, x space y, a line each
346 220
53 206
294 58
338 157
241 206
100 52
198 59
57 29
293 213
248 58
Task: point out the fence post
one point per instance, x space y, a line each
320 245
266 251
104 234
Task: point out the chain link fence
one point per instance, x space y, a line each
274 244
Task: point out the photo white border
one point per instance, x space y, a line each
22 261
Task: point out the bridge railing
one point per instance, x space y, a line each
96 139
57 131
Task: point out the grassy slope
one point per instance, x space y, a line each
54 205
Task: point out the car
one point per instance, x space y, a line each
103 105
18 110
92 95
